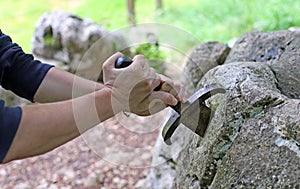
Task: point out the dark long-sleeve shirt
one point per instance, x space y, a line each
20 73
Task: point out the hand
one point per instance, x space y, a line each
110 73
168 87
176 89
133 87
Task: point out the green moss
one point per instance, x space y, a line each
155 56
48 40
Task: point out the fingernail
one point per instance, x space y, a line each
174 101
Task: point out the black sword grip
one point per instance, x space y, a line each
123 62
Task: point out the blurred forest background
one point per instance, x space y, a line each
219 20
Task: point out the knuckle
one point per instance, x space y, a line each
148 86
139 56
152 70
174 92
104 66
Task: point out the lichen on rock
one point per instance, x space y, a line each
253 139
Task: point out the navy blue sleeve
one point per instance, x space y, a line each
20 73
9 123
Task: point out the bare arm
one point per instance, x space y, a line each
59 85
46 126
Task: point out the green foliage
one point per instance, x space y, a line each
219 20
48 39
155 56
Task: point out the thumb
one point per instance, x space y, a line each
110 62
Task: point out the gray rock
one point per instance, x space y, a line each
287 68
244 145
163 170
203 58
77 42
279 49
265 152
253 139
258 46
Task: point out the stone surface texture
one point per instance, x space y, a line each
77 42
208 55
253 139
280 50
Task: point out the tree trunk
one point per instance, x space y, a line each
159 4
131 12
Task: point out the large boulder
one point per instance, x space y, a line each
77 42
253 139
278 49
203 58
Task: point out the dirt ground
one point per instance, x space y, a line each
94 160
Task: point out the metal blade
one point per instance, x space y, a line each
194 114
196 117
170 126
206 92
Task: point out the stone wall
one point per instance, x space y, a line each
253 140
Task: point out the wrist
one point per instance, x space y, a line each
103 103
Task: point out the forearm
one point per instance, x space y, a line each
60 85
44 127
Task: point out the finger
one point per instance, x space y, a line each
151 80
160 100
167 87
175 91
155 79
182 95
166 98
110 62
155 106
141 61
165 78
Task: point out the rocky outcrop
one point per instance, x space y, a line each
253 139
77 42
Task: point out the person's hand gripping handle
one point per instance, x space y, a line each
125 61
